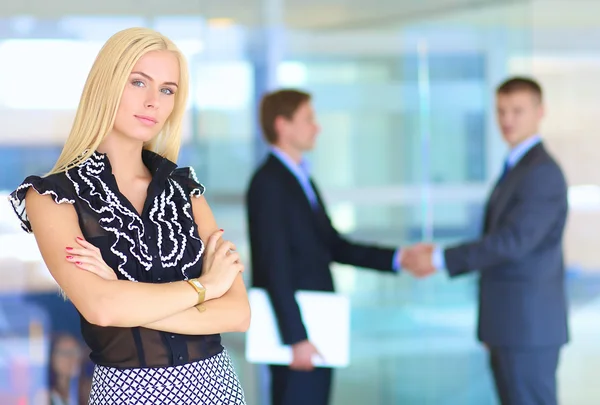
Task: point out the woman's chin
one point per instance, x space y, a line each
139 136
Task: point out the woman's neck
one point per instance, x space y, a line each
125 157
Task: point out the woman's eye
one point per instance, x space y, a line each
138 83
168 91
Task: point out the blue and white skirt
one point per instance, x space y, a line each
207 382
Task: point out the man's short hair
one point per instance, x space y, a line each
283 103
515 84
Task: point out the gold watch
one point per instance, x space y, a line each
200 289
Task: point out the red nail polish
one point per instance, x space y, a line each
77 262
69 257
78 238
221 230
69 248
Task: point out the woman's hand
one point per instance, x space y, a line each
88 257
221 266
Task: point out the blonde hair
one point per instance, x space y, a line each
102 93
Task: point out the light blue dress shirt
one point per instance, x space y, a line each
302 173
514 156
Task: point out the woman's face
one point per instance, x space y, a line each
149 96
66 358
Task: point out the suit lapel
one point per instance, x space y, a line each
320 212
292 183
503 190
318 195
294 188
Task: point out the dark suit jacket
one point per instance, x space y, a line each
521 291
292 244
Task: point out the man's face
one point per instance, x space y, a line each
300 132
519 115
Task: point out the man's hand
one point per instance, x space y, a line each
417 259
303 353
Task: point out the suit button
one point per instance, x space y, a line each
180 357
172 336
159 279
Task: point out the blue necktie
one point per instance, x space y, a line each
505 171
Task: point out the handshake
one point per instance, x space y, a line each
418 259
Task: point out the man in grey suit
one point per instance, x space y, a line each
522 299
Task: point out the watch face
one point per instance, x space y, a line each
197 283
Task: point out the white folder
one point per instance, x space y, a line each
326 317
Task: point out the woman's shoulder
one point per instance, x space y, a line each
53 185
186 178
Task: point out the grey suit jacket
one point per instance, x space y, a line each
522 300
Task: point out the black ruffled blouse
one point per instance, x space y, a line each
159 246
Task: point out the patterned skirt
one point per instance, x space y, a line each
207 382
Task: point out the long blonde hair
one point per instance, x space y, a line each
102 94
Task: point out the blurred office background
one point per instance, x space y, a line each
408 151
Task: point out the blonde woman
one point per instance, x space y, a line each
130 239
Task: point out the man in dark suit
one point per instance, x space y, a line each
522 302
293 241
